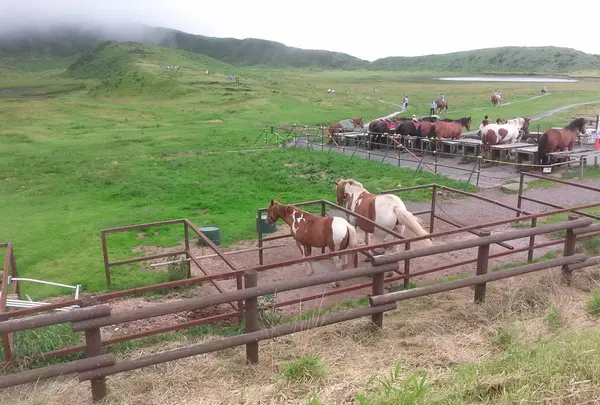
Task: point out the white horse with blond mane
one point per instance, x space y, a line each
386 210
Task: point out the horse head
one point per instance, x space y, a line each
358 122
341 189
577 124
273 212
466 122
525 126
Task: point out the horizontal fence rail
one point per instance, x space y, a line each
216 299
56 370
234 341
473 281
470 243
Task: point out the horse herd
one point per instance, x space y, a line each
338 234
508 132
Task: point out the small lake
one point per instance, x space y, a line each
515 79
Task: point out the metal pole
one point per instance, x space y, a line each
433 204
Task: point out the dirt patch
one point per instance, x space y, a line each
217 121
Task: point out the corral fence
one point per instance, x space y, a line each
434 214
243 299
97 366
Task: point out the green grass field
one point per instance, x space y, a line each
114 141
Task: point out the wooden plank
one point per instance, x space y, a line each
509 146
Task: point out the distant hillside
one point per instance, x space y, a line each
133 69
496 60
68 41
72 41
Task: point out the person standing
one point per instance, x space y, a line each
432 108
405 102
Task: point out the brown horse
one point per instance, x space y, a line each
426 129
377 129
559 139
315 231
337 127
453 129
441 105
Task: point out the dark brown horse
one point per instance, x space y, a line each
559 139
452 129
377 129
441 105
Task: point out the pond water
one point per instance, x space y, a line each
516 79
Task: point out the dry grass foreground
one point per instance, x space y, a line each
533 341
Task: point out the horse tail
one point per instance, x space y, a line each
352 243
413 223
543 148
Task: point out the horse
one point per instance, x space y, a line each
441 105
496 98
338 127
427 129
376 130
452 129
559 139
386 210
406 126
309 230
501 134
430 119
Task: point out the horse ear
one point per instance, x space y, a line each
272 202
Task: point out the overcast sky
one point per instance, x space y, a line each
368 29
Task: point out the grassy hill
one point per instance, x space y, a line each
70 40
67 41
497 60
136 69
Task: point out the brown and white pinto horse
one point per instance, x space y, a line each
452 129
496 98
559 139
311 230
386 210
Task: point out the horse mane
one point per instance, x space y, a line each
576 124
340 187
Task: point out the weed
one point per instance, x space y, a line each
307 368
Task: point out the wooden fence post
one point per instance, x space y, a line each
406 267
483 256
93 341
251 316
433 204
378 285
531 241
186 234
569 250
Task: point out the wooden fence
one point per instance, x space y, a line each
97 366
408 273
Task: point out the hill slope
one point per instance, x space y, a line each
505 60
133 68
70 40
